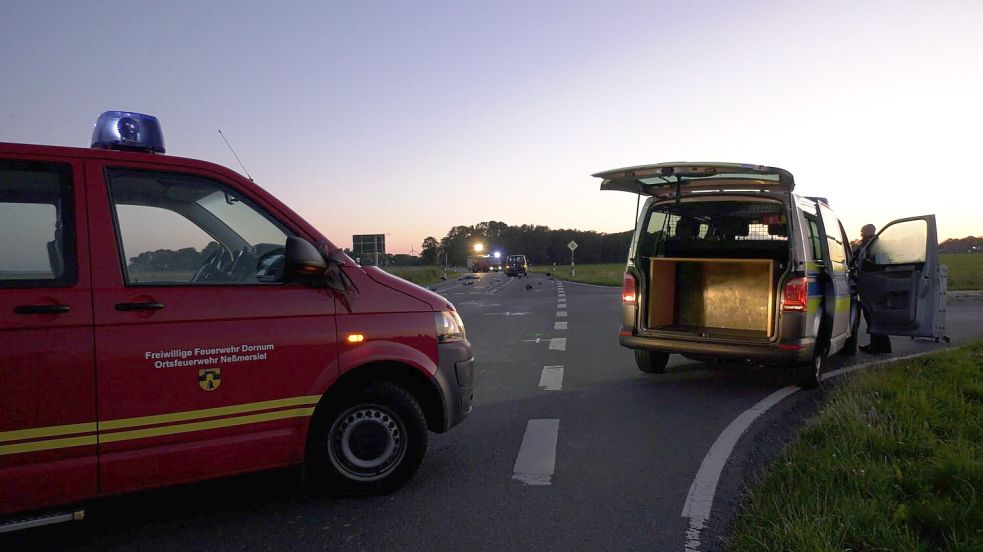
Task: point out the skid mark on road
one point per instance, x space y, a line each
551 378
536 461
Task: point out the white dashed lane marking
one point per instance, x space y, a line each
559 325
558 344
536 460
552 378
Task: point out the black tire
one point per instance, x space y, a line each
369 443
807 373
651 362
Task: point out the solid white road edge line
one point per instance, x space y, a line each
558 344
551 378
591 285
536 461
699 501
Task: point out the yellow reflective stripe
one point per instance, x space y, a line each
48 444
200 426
843 304
89 427
208 412
50 431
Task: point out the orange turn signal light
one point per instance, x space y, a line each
355 338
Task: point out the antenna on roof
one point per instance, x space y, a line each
236 156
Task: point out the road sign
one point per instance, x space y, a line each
366 245
572 245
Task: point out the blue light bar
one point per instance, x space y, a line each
123 130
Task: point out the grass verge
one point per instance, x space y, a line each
965 270
893 461
420 275
610 274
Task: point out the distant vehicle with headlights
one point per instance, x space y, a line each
165 320
516 265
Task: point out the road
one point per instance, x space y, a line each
569 447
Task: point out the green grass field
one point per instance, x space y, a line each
420 275
965 270
893 461
610 274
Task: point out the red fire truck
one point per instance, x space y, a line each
165 320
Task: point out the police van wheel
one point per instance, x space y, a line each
807 373
651 362
370 444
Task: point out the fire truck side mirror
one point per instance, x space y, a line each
303 259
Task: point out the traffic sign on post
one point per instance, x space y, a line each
573 269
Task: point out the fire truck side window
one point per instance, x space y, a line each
37 225
184 229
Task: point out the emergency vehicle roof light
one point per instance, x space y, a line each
123 130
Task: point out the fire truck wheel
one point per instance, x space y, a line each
370 443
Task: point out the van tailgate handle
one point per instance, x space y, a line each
139 306
41 309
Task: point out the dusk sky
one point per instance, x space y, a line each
408 118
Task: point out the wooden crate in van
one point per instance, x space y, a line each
687 294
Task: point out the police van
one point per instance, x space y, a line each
726 262
164 320
516 265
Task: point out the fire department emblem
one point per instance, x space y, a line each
209 378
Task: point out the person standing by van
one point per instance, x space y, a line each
879 343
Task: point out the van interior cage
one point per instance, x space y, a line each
720 226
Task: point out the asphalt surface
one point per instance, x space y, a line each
627 446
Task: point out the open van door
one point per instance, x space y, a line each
900 279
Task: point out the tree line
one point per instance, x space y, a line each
540 244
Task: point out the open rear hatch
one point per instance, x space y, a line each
667 179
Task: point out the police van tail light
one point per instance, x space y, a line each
450 327
795 296
628 288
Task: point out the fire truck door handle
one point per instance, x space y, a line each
139 306
41 309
